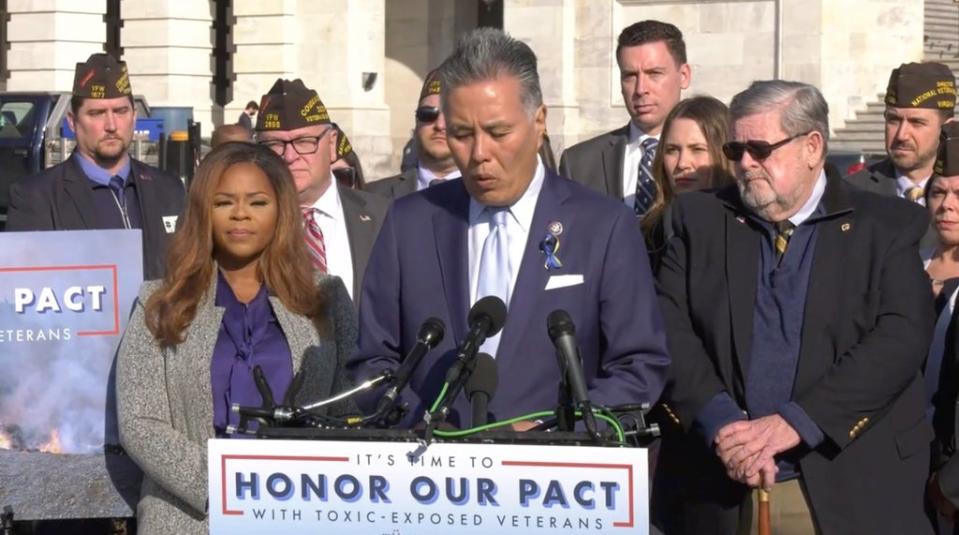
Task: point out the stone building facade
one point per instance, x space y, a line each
367 58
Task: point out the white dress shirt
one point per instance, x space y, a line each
631 159
904 184
517 229
812 202
339 258
424 176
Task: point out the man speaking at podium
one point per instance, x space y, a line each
511 229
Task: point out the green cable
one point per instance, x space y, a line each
613 422
439 398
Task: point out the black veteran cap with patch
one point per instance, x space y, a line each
101 76
343 146
922 85
431 85
290 105
947 160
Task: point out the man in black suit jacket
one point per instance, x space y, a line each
920 98
294 123
798 317
100 186
434 161
653 72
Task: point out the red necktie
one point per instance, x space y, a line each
314 239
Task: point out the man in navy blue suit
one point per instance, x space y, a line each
512 229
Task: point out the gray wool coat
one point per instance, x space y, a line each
165 400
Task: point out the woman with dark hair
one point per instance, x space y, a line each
239 293
689 157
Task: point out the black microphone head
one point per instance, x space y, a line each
485 377
431 332
558 322
493 308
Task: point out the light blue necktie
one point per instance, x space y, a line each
645 184
494 268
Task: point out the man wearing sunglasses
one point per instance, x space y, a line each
653 73
434 162
798 316
341 223
920 98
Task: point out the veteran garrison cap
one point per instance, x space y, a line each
101 76
290 105
922 85
947 160
343 145
431 84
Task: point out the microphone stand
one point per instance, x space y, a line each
565 412
438 416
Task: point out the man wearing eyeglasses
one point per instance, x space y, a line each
434 161
341 224
919 99
798 317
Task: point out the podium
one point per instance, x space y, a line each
386 481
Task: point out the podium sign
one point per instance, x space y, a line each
65 298
299 486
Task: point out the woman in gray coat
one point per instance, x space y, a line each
240 292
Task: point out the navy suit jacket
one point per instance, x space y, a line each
419 268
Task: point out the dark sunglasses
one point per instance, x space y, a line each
427 114
759 150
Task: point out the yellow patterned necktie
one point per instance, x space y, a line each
914 193
784 231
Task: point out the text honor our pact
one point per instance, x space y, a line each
472 501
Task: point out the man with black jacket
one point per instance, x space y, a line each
100 186
798 318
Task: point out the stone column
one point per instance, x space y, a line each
48 38
265 36
342 56
167 46
550 28
420 34
335 46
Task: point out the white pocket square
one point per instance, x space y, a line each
562 281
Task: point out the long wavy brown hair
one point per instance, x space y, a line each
712 116
284 265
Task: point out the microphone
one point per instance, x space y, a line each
481 386
430 334
563 334
486 319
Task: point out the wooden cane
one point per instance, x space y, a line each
765 522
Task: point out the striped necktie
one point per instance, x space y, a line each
645 185
314 239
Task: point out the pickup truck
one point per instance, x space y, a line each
34 135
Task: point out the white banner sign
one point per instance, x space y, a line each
298 486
